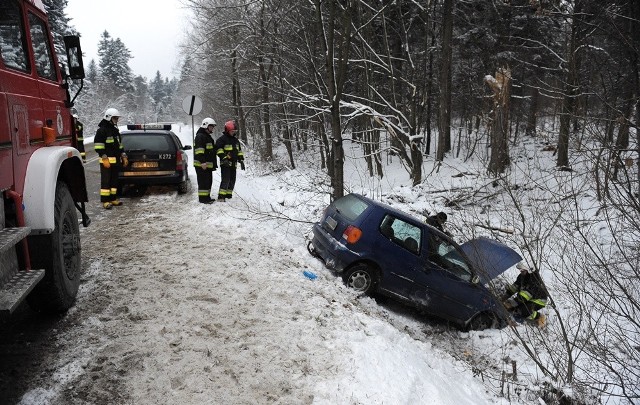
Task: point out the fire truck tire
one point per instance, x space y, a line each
59 254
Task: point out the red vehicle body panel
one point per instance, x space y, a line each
29 102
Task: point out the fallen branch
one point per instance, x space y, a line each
493 228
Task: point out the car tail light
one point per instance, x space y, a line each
352 234
179 161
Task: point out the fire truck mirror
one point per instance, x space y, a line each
74 57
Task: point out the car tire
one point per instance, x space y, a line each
183 188
59 255
483 321
362 278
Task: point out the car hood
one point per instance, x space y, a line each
489 257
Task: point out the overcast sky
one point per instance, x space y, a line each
150 29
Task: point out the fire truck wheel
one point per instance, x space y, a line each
59 254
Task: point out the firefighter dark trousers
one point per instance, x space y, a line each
205 179
227 182
109 183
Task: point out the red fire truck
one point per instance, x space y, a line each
42 180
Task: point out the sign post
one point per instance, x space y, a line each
192 105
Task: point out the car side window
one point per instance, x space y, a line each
443 253
401 233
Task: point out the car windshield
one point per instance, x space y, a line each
350 207
445 254
147 142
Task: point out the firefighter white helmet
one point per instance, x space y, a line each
74 115
522 266
111 112
208 121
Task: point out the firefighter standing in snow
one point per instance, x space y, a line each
80 137
108 146
204 160
230 153
530 295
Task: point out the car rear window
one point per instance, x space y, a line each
350 206
147 142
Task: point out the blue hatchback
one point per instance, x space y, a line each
378 249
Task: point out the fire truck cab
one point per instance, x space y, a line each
42 179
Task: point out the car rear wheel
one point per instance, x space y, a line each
362 278
183 187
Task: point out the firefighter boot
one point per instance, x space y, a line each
541 321
107 205
116 203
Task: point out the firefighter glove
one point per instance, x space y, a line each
510 304
242 164
203 166
125 160
105 162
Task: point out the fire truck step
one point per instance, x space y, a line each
17 289
9 237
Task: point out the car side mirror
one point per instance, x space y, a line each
186 147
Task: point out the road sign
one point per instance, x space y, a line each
192 105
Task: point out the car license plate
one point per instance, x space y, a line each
144 165
331 223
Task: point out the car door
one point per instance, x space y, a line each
444 283
398 254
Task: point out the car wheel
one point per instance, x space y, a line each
362 278
183 187
59 254
483 321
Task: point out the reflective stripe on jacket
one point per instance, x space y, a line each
203 150
107 141
229 150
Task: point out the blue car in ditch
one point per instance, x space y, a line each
380 250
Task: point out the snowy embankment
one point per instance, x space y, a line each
189 303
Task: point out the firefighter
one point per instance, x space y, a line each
110 150
80 137
438 221
204 160
230 153
530 295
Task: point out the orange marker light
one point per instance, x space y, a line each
352 234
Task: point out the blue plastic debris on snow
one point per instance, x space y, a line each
310 275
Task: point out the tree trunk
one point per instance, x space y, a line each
444 121
569 98
237 98
499 160
265 74
336 51
532 119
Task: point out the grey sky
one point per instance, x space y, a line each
150 29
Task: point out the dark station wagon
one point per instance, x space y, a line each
379 249
156 157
